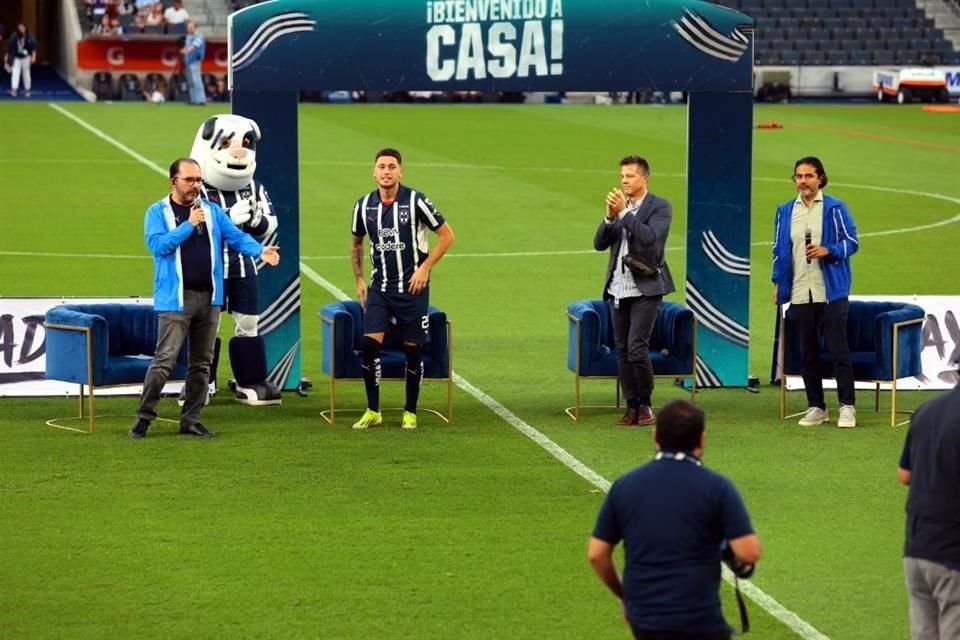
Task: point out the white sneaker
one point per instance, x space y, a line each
848 416
813 417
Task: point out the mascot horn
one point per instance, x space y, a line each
226 149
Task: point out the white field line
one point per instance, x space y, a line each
768 603
119 145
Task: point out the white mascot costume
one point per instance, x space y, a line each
226 148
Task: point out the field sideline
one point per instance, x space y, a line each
286 527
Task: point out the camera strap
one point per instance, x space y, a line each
742 606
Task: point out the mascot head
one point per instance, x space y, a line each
226 148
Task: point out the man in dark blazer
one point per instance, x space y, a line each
635 229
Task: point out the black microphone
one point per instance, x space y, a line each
202 230
807 240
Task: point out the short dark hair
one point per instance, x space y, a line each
814 162
175 167
640 161
392 153
680 425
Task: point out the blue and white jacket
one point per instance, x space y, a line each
164 237
839 237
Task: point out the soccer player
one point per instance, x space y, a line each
396 219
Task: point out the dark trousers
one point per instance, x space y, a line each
633 323
642 634
198 321
830 319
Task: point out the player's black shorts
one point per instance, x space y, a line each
410 312
241 295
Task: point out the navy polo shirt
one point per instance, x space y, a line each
673 514
931 453
194 254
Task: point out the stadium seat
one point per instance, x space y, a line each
103 345
179 88
130 87
151 80
103 85
885 345
591 353
342 328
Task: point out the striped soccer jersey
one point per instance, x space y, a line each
398 235
236 265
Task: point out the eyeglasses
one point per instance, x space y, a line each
190 180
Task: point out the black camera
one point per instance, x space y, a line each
181 42
739 569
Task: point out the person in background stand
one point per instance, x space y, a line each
21 54
814 237
193 52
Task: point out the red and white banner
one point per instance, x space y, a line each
23 361
143 54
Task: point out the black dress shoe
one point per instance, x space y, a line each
196 430
139 428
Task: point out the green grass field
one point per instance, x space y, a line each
287 527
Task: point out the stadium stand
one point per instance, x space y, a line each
845 32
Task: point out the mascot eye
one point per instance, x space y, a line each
249 140
224 143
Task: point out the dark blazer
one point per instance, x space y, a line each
647 231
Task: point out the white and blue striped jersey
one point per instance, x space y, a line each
236 265
398 235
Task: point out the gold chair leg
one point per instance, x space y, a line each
576 396
783 396
450 398
893 401
333 401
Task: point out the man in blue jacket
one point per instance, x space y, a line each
185 235
814 237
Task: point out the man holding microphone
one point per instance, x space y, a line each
185 235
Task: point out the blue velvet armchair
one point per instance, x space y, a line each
591 353
885 345
103 345
342 326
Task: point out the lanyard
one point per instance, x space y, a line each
679 456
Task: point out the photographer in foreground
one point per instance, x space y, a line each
674 516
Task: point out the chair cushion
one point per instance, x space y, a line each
133 369
122 335
870 335
671 342
344 321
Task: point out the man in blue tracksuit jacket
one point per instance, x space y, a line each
185 235
814 237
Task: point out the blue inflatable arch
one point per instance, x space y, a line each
280 47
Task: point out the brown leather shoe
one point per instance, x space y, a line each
628 419
645 416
